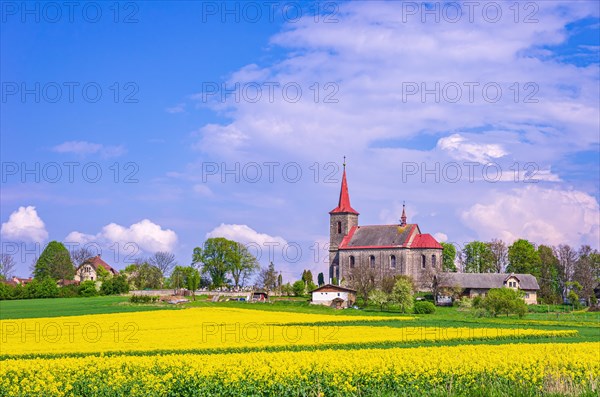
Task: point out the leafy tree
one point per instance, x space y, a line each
88 288
586 273
115 285
144 275
379 298
41 288
499 254
504 300
164 261
103 274
477 258
54 262
523 258
216 256
268 278
299 288
307 277
192 280
7 265
321 279
402 294
549 280
178 277
242 265
448 257
287 289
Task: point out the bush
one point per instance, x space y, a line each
504 301
143 299
424 308
115 285
44 288
68 291
464 303
88 288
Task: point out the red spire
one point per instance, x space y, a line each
403 217
344 203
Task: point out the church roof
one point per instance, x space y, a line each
388 236
344 202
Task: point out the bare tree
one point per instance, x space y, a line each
7 265
165 261
363 278
80 255
585 271
267 278
567 257
499 254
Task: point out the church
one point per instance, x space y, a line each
384 250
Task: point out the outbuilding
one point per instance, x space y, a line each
334 296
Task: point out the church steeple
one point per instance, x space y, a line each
403 217
344 201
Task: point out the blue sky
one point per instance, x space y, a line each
165 123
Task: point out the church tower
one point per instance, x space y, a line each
341 219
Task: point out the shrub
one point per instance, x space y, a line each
424 308
115 285
68 291
504 301
88 288
44 288
143 299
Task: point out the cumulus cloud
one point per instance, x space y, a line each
543 216
441 237
244 234
146 235
460 148
24 224
85 148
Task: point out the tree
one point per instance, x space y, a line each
307 277
7 265
268 278
88 288
299 288
499 255
379 298
321 279
549 280
144 275
566 266
178 278
115 285
78 256
164 261
287 289
216 256
448 257
54 262
504 300
362 278
523 258
402 294
103 274
242 265
192 280
477 258
586 272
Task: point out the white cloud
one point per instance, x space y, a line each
441 237
179 108
146 235
460 148
245 234
543 216
85 148
24 225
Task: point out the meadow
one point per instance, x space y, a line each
108 347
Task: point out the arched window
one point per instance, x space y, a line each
339 227
423 261
351 260
393 261
433 261
372 261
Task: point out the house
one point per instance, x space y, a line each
383 250
88 269
334 296
21 281
260 296
478 284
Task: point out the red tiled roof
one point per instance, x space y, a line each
344 202
97 261
425 241
378 236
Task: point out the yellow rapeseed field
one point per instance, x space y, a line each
218 328
462 369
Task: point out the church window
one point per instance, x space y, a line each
339 227
372 261
423 261
393 261
351 260
433 261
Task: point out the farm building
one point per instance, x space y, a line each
478 284
333 295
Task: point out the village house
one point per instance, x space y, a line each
386 250
478 284
334 296
88 270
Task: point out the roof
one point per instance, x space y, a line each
344 202
97 261
388 236
486 280
333 287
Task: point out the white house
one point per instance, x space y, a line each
334 296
